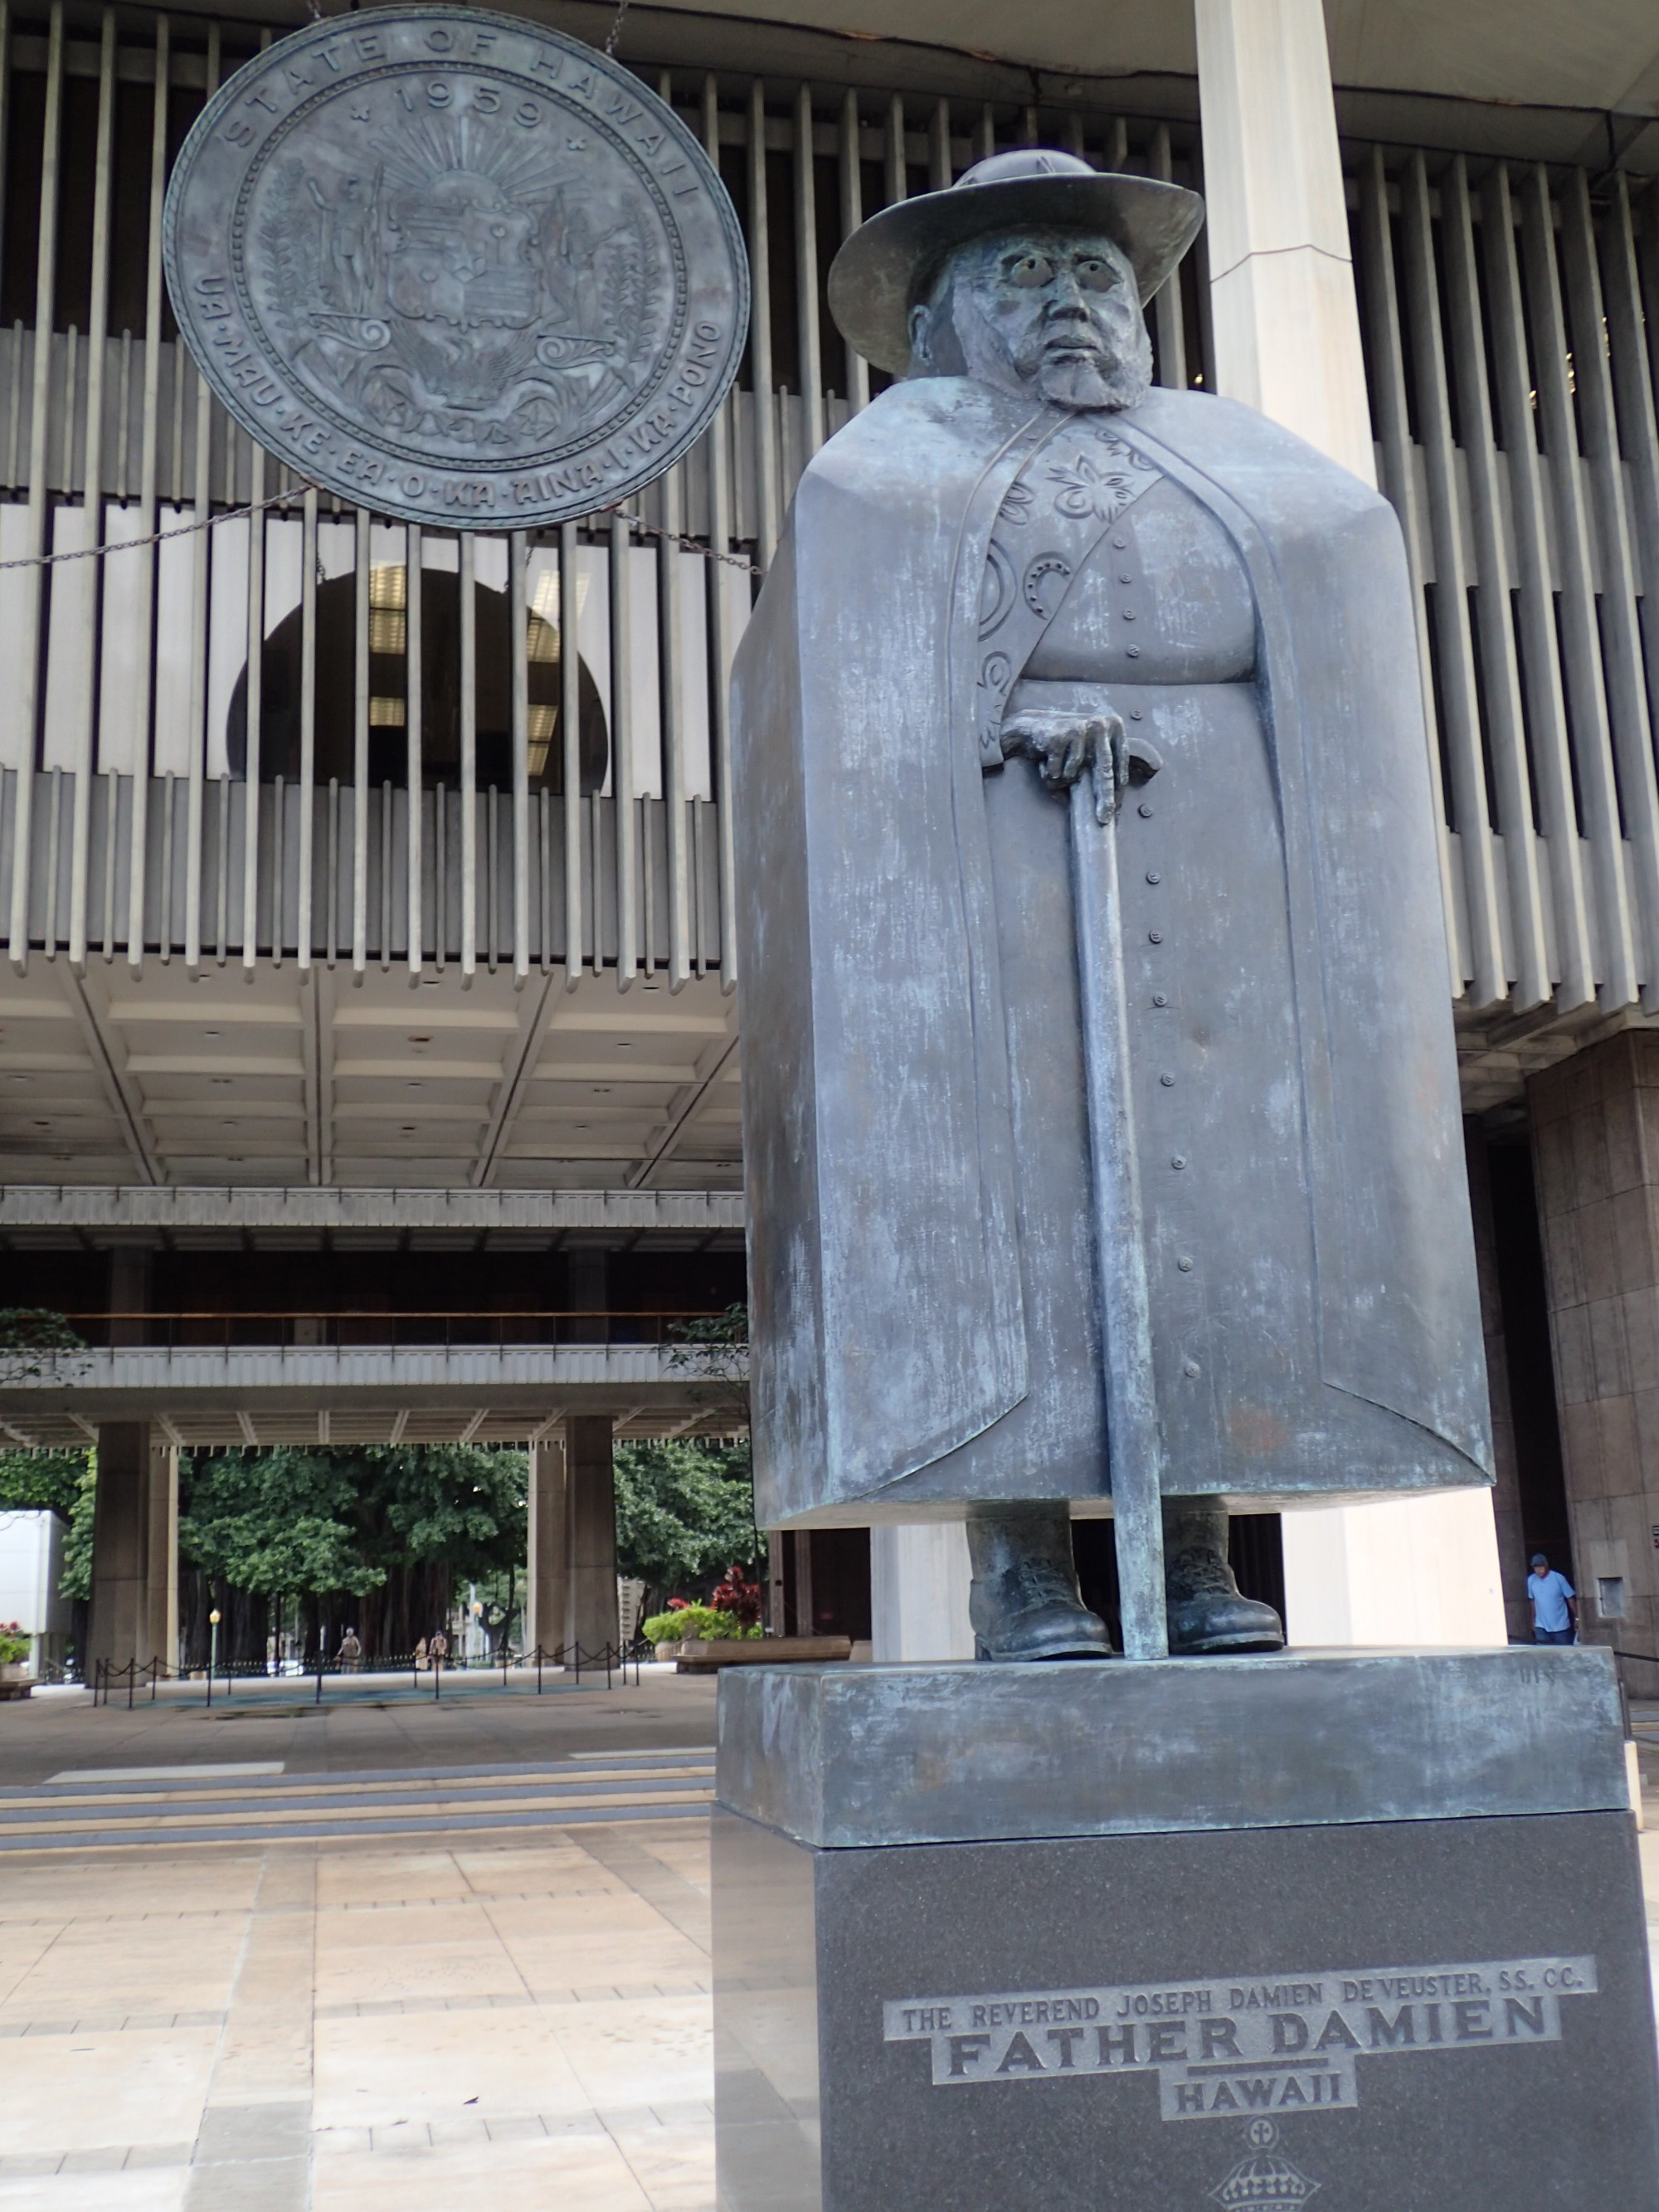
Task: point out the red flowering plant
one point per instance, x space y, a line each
740 1597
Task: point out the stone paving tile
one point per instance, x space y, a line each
589 2175
155 2191
91 2090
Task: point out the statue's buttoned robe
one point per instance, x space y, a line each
923 1310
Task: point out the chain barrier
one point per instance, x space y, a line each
571 1658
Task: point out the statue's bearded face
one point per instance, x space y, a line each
1049 313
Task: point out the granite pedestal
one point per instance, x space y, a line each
1193 1932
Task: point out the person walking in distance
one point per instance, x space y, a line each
352 1652
1554 1603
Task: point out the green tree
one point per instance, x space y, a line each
278 1522
34 1339
686 1512
379 1535
75 1582
32 1481
58 1482
715 1349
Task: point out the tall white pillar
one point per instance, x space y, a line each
1285 321
1287 329
919 1578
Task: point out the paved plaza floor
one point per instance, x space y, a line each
365 2022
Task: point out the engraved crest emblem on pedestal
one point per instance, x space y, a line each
456 266
1264 2179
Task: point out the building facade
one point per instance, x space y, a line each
313 956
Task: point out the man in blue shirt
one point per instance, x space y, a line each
1554 1603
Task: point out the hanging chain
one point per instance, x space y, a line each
156 537
615 32
687 544
286 498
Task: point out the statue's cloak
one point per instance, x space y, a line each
886 1281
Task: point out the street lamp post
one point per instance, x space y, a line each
213 1649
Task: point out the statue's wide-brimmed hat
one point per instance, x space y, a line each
886 266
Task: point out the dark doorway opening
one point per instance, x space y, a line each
832 1596
1523 1301
280 686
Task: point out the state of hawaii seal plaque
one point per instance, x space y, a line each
455 267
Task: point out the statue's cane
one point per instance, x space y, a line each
1132 1426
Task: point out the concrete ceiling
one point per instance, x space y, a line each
1531 80
1544 53
300 1078
1539 52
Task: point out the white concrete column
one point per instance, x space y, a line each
1282 304
1414 1571
919 1580
1286 325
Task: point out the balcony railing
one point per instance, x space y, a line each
352 1328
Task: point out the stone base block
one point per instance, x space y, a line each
1402 1961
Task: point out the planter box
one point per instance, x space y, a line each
666 1653
701 1656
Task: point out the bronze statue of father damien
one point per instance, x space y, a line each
1022 567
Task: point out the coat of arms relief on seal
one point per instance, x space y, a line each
459 283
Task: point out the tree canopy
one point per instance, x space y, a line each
391 1528
57 1482
383 1534
30 1481
686 1512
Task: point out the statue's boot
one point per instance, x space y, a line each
1024 1603
1208 1611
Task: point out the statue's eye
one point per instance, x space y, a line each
1095 276
1032 269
